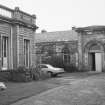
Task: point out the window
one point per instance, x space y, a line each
5 46
4 51
43 66
26 52
66 55
66 58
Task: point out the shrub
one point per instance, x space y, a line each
44 75
56 61
21 74
35 72
5 75
22 69
70 68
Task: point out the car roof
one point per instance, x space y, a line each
45 64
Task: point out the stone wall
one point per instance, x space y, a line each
16 26
56 48
25 33
5 30
86 40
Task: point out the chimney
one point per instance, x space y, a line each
16 8
73 28
43 31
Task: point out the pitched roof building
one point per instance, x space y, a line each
56 36
59 43
83 47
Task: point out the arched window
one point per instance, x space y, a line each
66 55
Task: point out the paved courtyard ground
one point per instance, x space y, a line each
76 91
16 92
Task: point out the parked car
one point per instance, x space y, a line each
52 71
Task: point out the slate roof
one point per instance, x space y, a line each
69 35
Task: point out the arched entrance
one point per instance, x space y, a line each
95 52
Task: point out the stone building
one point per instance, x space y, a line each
60 43
91 48
83 47
17 32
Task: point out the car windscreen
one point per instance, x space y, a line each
43 66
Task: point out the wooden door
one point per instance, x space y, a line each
98 61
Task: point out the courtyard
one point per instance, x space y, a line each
16 92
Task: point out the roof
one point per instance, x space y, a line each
12 10
69 35
91 28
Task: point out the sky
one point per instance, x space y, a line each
60 15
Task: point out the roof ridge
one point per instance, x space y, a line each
55 32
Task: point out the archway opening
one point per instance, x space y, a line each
95 53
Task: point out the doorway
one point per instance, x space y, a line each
92 61
95 61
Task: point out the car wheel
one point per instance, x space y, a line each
49 74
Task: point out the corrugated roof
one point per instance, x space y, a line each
56 36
